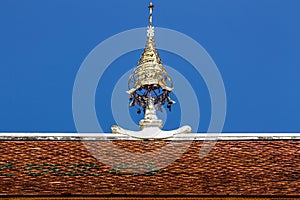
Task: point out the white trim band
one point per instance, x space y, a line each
177 137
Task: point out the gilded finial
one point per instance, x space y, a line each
150 79
150 87
151 6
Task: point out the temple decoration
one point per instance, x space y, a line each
149 87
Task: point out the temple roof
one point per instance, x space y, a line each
64 164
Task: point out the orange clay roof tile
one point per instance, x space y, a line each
252 168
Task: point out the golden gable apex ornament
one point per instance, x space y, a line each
149 87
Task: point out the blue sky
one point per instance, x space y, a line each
254 43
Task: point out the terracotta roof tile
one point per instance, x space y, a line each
69 167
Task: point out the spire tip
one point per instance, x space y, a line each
151 6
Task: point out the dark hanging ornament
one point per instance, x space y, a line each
169 106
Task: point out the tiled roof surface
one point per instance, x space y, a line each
251 168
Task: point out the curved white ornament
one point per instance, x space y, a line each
151 126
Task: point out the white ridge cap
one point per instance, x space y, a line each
187 136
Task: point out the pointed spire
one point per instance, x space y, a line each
150 70
151 6
149 87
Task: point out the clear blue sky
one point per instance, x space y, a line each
255 44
